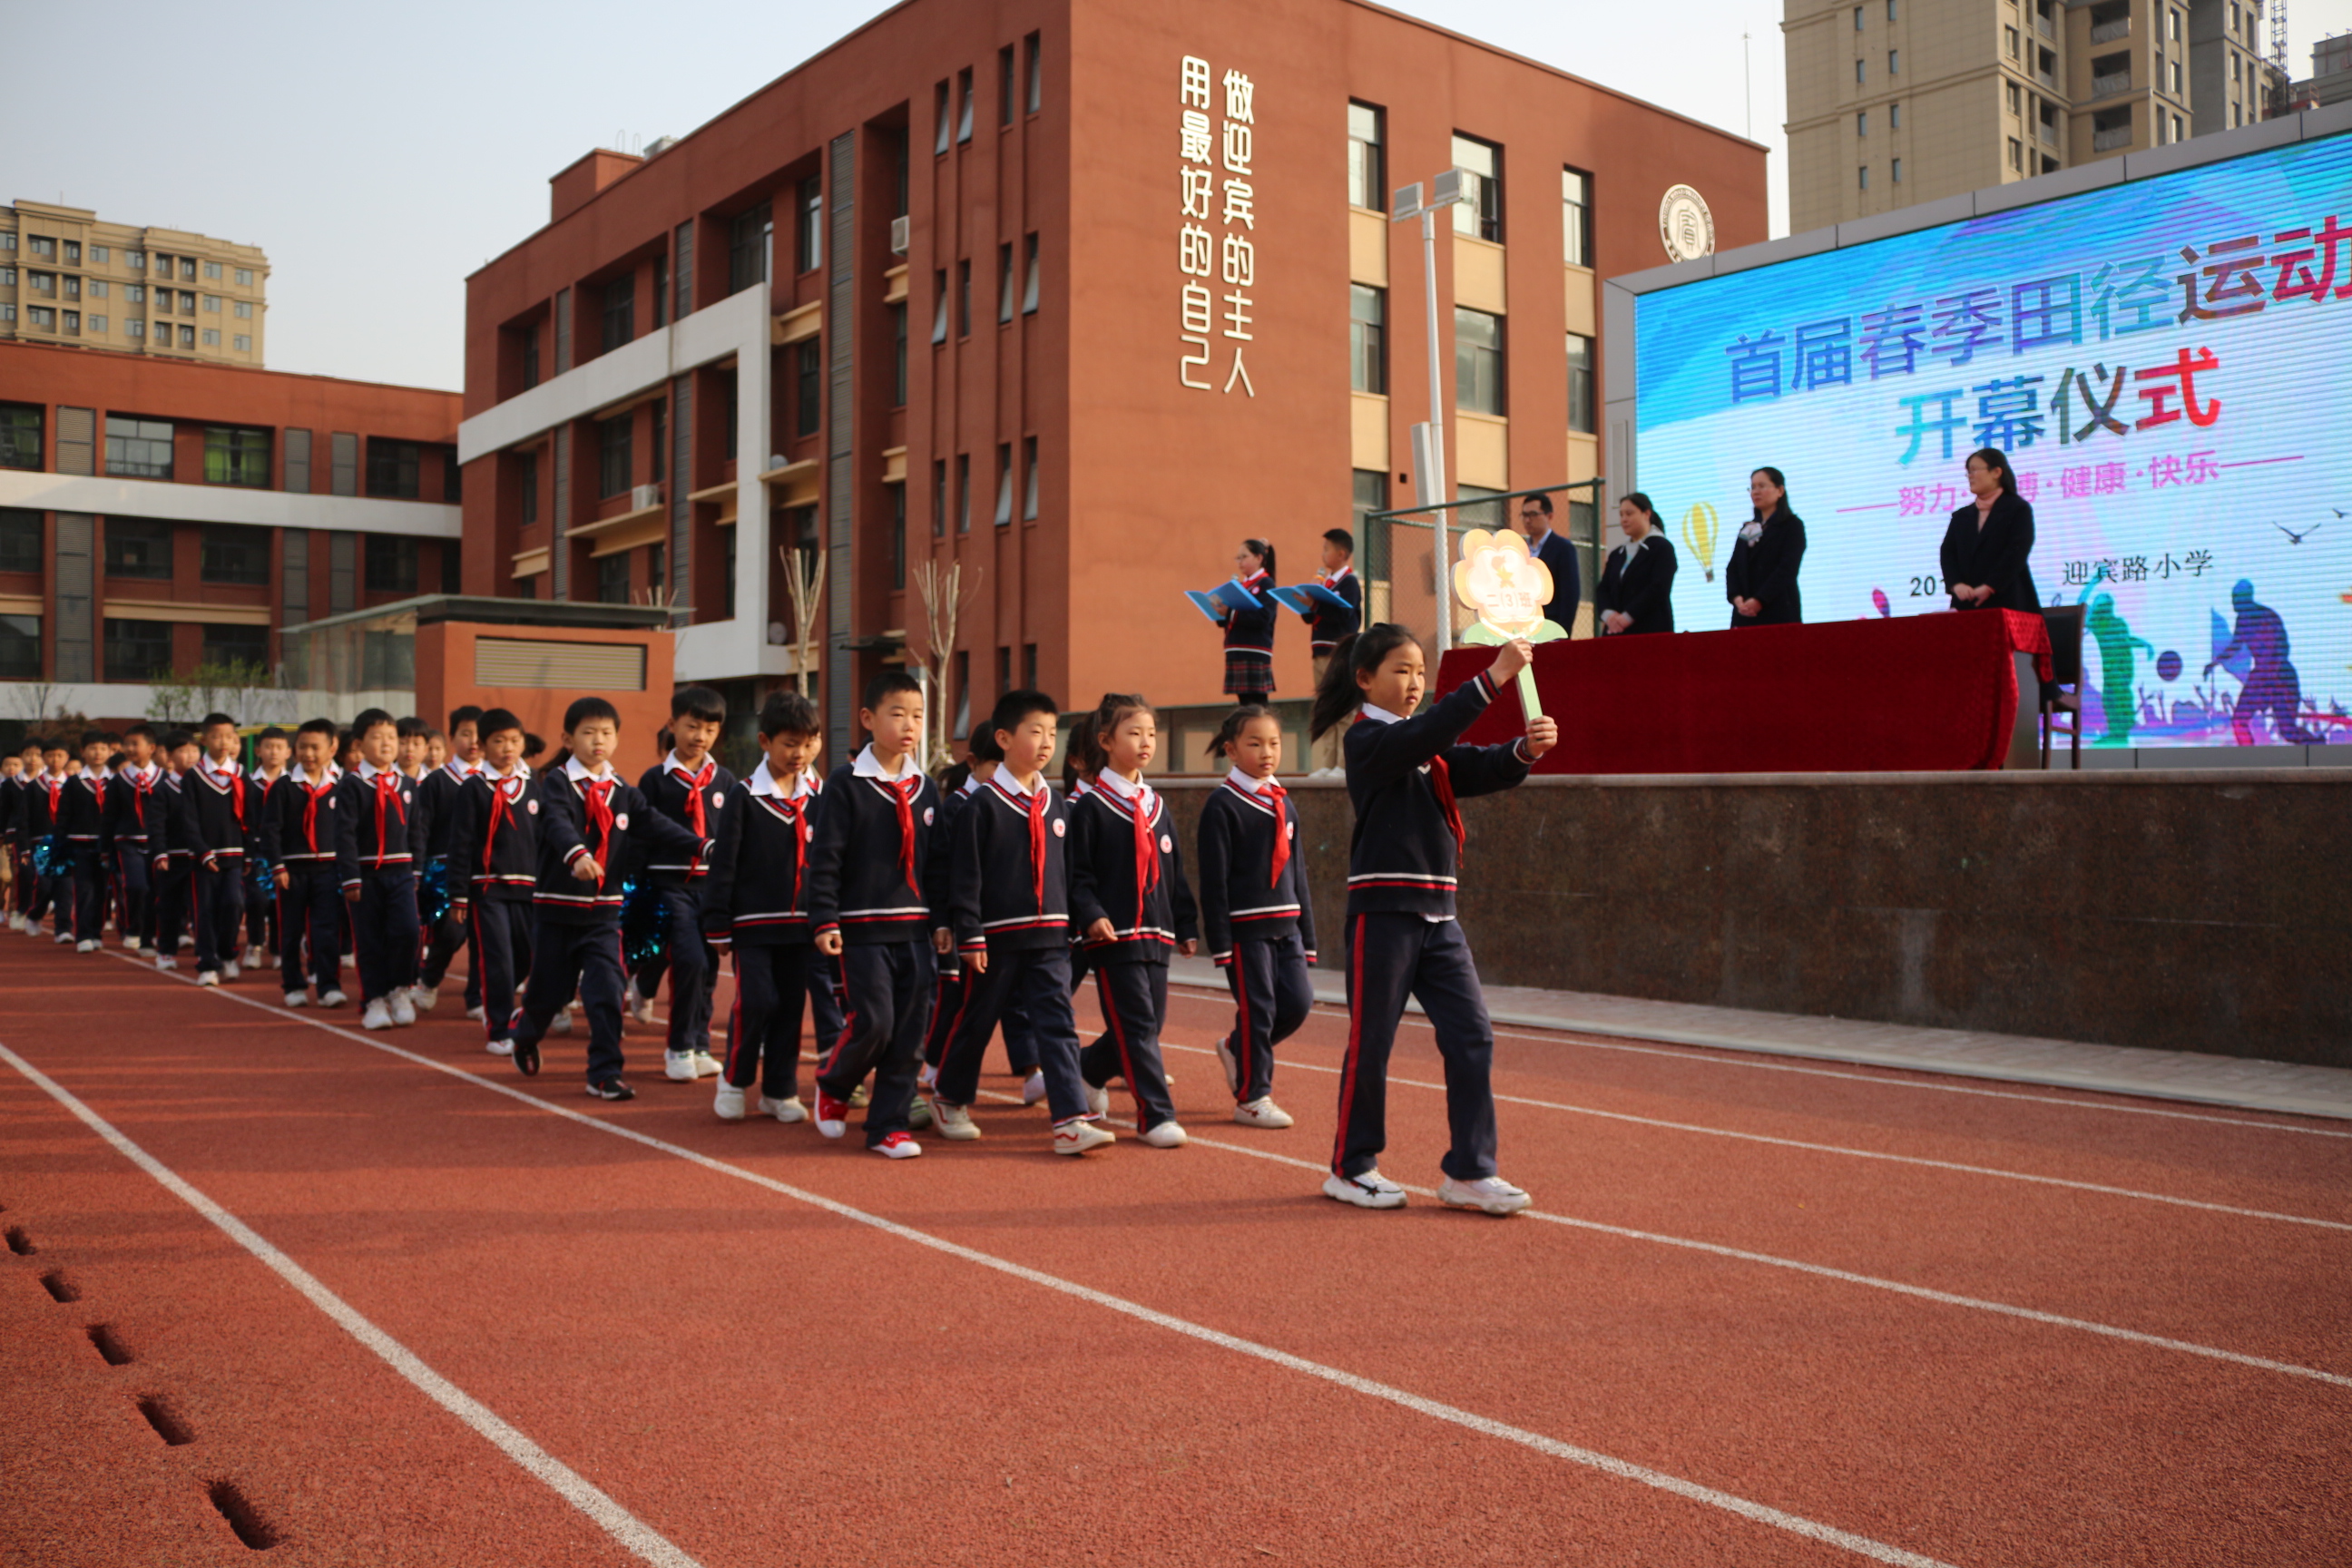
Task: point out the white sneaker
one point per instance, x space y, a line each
16 922
375 1015
330 999
62 938
638 1006
253 958
499 1047
231 970
678 1066
706 1065
131 944
1033 1088
1166 1135
1489 1194
1369 1191
1225 1060
1077 1137
1262 1113
297 998
785 1111
424 998
208 977
476 1014
85 946
403 1013
953 1122
727 1104
1098 1100
167 962
562 1024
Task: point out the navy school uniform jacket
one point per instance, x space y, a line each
222 812
1240 894
1328 624
297 820
494 842
167 830
669 790
1403 856
378 828
865 871
440 789
81 812
1252 631
755 893
568 830
1126 867
12 805
133 809
44 798
1008 877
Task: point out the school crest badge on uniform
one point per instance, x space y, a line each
1167 844
1059 830
621 821
532 807
928 813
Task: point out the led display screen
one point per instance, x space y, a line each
2161 360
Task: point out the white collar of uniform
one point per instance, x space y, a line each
1379 714
670 765
1006 781
461 770
522 774
973 785
145 775
1245 783
1332 579
306 781
370 773
762 782
227 770
1116 782
574 770
870 766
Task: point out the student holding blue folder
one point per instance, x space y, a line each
1249 632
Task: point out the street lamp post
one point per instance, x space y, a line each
1429 461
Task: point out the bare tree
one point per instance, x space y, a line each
944 596
804 580
35 699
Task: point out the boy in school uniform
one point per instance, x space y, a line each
1329 623
755 903
12 805
42 797
591 824
299 817
273 749
80 829
221 815
689 789
380 825
130 808
169 841
866 904
441 786
1008 900
494 866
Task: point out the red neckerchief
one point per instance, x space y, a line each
1255 578
788 809
1441 779
139 792
1147 852
1035 805
598 795
902 796
237 795
57 784
695 813
1277 794
387 793
310 799
501 804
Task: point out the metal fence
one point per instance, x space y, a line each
1396 550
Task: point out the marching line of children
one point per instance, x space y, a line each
935 917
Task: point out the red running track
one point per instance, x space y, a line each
1763 1312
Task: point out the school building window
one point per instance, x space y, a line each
614 473
391 563
1366 170
529 486
612 579
808 386
1575 216
138 651
20 437
1036 73
1029 289
1005 284
1367 364
236 645
963 99
138 449
1029 468
1479 214
20 647
808 238
940 308
963 492
898 536
1579 383
898 355
939 498
236 554
236 457
393 468
620 312
1003 484
20 540
138 547
1005 100
1477 362
749 242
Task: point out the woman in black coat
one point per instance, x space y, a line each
1637 582
1988 542
1762 579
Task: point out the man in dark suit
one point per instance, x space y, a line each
1558 554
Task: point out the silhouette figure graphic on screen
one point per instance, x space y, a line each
2115 644
2272 686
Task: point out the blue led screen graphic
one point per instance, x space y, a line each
2165 363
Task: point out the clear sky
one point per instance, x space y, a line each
381 153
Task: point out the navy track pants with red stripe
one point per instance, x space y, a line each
885 1002
1134 996
764 1031
1389 957
1273 994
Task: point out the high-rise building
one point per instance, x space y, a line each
1074 295
67 277
2331 74
1893 102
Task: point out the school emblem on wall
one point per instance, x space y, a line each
1685 225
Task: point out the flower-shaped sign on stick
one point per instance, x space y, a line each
1508 589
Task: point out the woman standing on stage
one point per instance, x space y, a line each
1987 543
1637 585
1761 580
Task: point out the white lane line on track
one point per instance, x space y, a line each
1719 1056
567 1483
1692 1491
1832 1148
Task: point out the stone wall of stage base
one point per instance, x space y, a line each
2190 911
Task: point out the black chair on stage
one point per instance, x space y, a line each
2061 700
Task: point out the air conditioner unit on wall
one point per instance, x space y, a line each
645 496
899 228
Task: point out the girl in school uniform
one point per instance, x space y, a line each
1255 911
1131 908
1249 634
1405 773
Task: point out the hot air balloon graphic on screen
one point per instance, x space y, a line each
1698 533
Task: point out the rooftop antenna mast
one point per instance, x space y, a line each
2280 82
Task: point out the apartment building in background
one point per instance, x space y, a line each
2331 75
67 277
158 514
1893 102
1072 295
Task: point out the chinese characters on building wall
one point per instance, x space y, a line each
1215 249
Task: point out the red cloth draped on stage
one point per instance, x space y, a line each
1926 693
